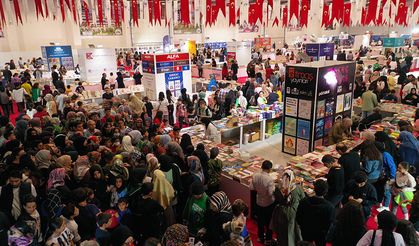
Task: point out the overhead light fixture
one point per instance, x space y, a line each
99 46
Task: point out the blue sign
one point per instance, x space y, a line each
312 50
59 55
164 64
216 45
393 42
174 82
327 50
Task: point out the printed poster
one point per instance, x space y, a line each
320 109
319 128
290 126
302 146
291 106
347 102
330 107
303 129
304 109
328 123
339 103
289 144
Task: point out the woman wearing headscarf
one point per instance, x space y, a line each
20 130
185 141
171 172
136 105
136 137
241 101
389 144
47 90
152 163
65 162
80 144
56 180
176 235
43 159
97 182
219 213
409 148
178 157
288 196
51 105
195 169
127 144
164 194
81 167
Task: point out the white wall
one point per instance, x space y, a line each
36 33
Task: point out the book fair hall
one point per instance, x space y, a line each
209 122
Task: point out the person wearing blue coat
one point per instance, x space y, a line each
409 149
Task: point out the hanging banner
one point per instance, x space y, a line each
74 10
285 16
347 14
59 55
184 12
38 8
305 7
17 12
134 8
63 10
85 7
2 16
100 11
46 8
325 17
232 13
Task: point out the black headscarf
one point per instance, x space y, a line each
185 141
165 163
389 145
79 145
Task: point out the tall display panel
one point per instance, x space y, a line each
316 95
94 62
162 72
59 56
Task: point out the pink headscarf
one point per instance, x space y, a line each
56 178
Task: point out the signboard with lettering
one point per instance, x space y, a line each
315 97
58 55
168 72
393 42
320 51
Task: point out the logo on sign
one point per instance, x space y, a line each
58 49
299 77
89 56
175 56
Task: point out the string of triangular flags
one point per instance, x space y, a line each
272 12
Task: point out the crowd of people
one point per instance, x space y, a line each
124 175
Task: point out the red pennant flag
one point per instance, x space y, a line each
150 12
134 8
294 6
337 10
122 7
285 16
401 15
305 7
208 18
46 8
62 10
157 11
371 15
74 10
250 17
2 16
38 8
347 14
17 11
85 7
276 22
258 11
116 12
220 5
325 16
184 12
100 11
232 13
415 6
363 16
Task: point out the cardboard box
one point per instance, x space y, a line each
254 136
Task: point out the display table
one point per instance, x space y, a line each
208 71
388 109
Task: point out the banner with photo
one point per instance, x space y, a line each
195 26
93 27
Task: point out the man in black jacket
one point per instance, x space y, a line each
315 215
360 190
349 160
54 75
335 180
12 195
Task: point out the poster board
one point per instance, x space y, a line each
94 62
58 55
393 42
162 72
316 95
263 43
320 51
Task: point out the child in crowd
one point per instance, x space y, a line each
181 114
102 235
124 213
237 226
403 189
31 217
195 209
61 235
148 107
68 214
119 191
